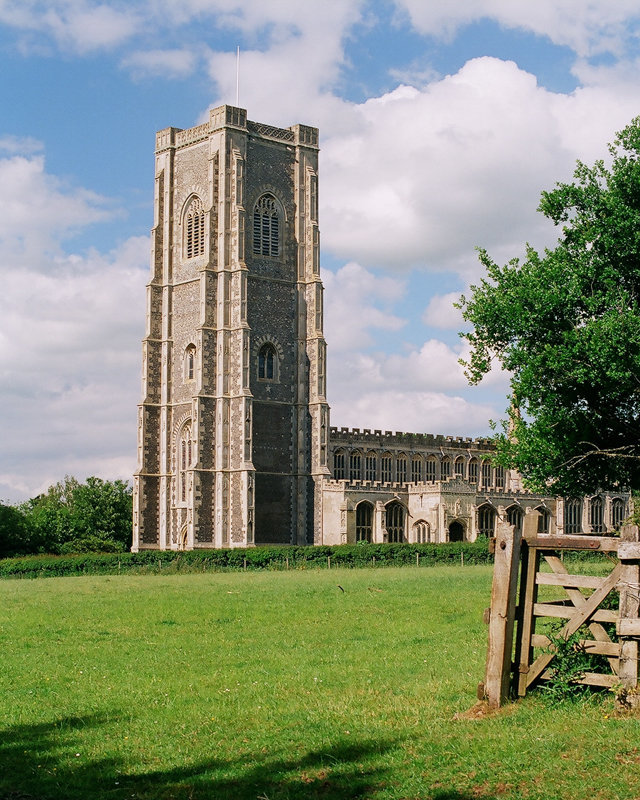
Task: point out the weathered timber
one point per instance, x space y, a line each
629 588
574 581
603 544
501 623
569 612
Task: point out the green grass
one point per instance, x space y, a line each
280 686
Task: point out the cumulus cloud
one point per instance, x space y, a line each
441 312
424 176
70 327
38 211
586 26
357 302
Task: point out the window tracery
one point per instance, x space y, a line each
266 227
193 225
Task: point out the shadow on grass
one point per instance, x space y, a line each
38 762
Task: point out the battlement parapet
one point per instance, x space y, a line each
355 436
232 117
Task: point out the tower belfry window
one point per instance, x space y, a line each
194 228
266 227
267 363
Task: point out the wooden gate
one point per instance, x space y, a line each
515 667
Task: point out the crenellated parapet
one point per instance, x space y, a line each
352 437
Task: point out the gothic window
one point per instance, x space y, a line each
572 516
267 363
514 517
364 522
499 477
486 474
416 469
543 519
355 466
430 469
459 467
421 532
617 513
473 470
394 522
370 466
190 363
486 520
445 468
193 228
184 458
401 468
385 467
596 515
339 472
266 227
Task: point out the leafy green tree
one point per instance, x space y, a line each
16 537
82 517
566 324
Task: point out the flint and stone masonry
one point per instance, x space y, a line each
234 443
233 427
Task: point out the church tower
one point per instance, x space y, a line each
233 426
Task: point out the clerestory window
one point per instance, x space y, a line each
266 227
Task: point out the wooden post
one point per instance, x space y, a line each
629 605
417 559
503 601
530 563
244 564
328 562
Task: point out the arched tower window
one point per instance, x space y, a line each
364 522
267 363
459 467
473 470
190 363
266 227
486 474
184 457
193 227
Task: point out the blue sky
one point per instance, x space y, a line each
440 124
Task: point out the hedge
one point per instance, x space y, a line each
254 558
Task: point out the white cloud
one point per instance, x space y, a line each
586 26
441 312
422 177
357 301
38 211
70 327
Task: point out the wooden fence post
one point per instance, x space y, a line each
629 624
501 622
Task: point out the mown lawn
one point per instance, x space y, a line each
279 686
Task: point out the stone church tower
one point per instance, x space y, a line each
233 427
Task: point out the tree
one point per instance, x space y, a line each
566 324
15 535
77 517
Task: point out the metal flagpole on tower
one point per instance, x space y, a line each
238 77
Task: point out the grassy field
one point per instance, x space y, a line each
279 686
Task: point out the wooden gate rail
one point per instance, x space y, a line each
514 670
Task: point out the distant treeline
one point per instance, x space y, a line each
71 517
254 558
